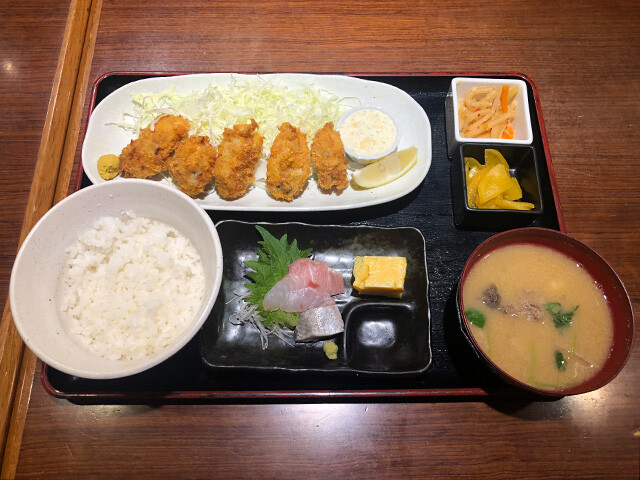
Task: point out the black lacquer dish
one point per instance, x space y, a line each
523 164
383 336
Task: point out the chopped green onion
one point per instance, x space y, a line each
561 363
533 362
561 318
475 317
546 386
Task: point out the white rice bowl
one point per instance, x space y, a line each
46 312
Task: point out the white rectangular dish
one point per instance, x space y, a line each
104 136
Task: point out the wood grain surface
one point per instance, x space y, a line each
30 40
45 173
63 116
583 57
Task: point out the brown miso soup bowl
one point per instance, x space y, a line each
598 268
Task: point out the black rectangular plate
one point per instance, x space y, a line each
454 370
383 336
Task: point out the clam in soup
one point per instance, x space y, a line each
538 315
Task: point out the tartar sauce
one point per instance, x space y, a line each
368 132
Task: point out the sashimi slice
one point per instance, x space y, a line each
282 297
318 275
318 323
309 284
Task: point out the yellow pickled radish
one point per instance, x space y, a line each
472 183
387 169
491 204
491 185
511 205
472 187
514 192
494 157
494 183
471 167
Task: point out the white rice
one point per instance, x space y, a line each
131 286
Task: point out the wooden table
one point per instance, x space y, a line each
584 59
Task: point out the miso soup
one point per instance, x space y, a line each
538 315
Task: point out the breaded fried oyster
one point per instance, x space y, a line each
146 155
327 152
191 165
289 164
238 155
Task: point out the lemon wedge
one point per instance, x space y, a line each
386 169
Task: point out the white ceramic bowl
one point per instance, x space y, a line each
460 86
366 159
33 288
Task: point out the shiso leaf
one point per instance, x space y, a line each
272 265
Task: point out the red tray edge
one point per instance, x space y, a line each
257 395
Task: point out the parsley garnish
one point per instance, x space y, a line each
272 265
561 319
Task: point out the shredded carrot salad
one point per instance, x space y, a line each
488 112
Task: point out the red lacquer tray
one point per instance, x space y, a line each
454 371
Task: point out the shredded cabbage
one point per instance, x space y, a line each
217 107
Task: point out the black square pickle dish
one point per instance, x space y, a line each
523 165
454 370
382 336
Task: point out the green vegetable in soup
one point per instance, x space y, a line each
475 317
546 386
561 318
532 372
561 363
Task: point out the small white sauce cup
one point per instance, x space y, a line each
366 159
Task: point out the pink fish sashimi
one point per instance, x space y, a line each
318 275
309 284
282 297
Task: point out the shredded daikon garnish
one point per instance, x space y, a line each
247 313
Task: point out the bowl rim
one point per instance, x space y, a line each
370 158
162 355
528 140
487 247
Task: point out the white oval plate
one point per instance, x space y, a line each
103 137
